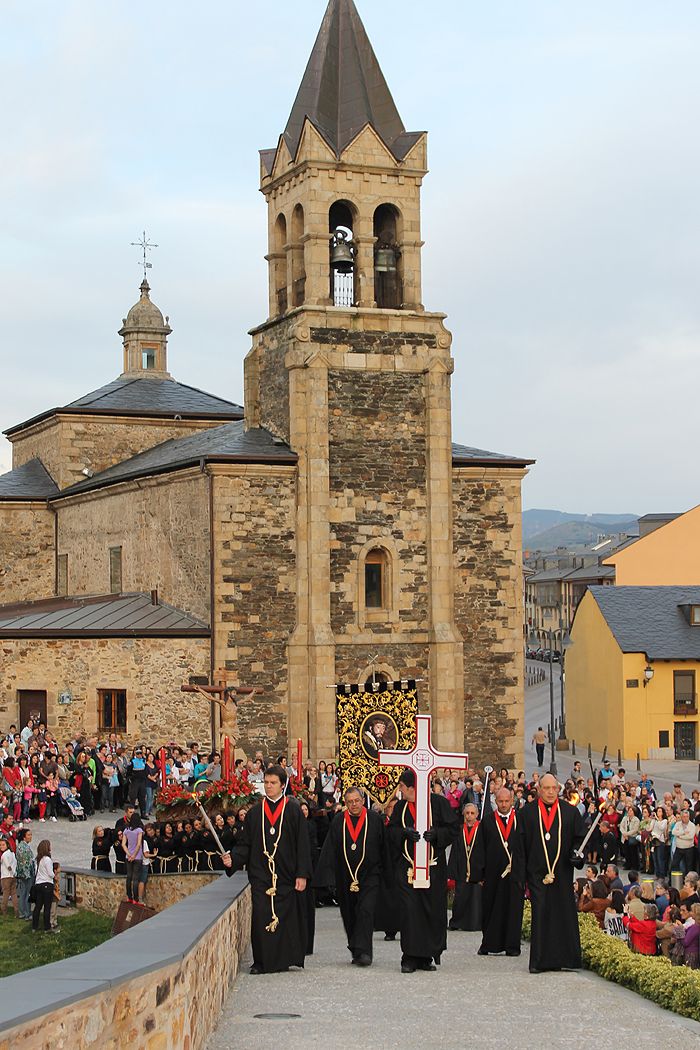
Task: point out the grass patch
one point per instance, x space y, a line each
20 949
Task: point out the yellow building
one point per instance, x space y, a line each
666 556
631 671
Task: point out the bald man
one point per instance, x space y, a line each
504 872
552 830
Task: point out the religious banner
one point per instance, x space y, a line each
368 722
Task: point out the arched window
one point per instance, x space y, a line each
387 258
281 263
377 594
342 254
298 264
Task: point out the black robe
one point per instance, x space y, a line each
276 950
357 909
100 852
423 913
554 943
502 896
466 867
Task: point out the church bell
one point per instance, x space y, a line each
385 260
341 254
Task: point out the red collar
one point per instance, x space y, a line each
271 815
506 828
469 833
548 818
355 829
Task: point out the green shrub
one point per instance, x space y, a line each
675 988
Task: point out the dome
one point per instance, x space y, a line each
145 314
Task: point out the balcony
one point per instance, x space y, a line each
685 704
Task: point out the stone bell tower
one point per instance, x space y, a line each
352 371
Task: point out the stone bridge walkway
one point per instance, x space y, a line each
469 1002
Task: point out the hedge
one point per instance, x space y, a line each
676 988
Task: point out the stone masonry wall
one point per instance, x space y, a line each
405 660
255 594
162 526
488 612
26 552
68 444
150 669
173 1007
377 426
102 893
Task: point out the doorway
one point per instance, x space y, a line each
684 740
32 704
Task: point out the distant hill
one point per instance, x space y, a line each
575 534
537 522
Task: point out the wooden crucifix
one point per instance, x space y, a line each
226 697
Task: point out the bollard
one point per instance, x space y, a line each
573 747
677 879
619 758
589 753
639 764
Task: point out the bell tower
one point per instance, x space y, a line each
354 373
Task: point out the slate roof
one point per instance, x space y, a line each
104 616
343 89
479 457
228 443
651 620
30 482
149 397
592 572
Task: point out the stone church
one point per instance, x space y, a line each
151 533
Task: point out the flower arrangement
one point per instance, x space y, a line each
225 795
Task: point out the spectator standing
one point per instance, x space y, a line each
8 878
43 887
26 870
683 835
630 837
132 840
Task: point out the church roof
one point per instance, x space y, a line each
144 396
464 455
343 89
103 616
226 444
31 481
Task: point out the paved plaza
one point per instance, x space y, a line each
470 1001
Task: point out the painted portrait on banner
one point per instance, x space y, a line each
370 721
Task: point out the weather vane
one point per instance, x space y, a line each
145 245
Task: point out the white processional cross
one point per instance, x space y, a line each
423 759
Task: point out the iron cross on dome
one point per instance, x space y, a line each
423 759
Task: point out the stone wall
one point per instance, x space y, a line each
158 986
67 444
26 552
255 593
150 669
103 893
162 527
488 611
377 462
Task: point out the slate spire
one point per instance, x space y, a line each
343 88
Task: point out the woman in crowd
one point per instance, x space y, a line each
454 795
65 768
12 786
101 845
26 870
152 782
327 782
43 887
28 786
642 932
629 837
133 847
82 782
659 840
8 878
595 899
645 842
167 849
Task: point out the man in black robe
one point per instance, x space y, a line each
466 867
274 847
423 912
552 831
502 895
356 843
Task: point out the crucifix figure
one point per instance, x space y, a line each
227 698
423 759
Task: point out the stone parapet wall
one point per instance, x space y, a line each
158 986
102 892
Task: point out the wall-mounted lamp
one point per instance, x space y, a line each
648 674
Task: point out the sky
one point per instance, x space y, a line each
560 215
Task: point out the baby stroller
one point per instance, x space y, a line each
71 802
